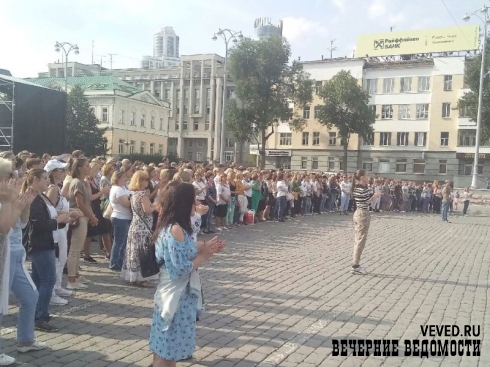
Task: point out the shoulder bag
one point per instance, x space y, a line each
146 253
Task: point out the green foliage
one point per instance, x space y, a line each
82 130
470 99
345 106
148 158
265 85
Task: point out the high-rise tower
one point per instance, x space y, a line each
166 43
265 27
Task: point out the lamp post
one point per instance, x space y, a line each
67 48
227 35
485 20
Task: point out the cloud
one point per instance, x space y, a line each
295 28
378 8
340 4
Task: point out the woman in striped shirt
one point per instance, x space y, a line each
363 197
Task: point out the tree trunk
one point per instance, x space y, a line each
346 143
262 151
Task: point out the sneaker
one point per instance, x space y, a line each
34 346
210 232
75 285
81 279
219 229
5 360
90 259
359 270
57 300
225 228
46 326
63 292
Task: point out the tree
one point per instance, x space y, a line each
470 100
345 106
265 86
82 130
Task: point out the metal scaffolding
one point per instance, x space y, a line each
7 110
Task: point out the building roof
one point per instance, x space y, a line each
94 83
20 81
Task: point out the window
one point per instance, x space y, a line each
368 166
285 139
190 143
197 93
420 139
132 143
186 110
419 166
206 126
371 86
178 111
369 140
318 87
401 165
133 119
189 156
424 83
422 111
467 138
332 138
448 82
208 110
230 93
388 85
228 156
176 126
387 111
160 149
304 162
384 166
229 143
143 120
200 143
197 109
184 125
465 111
384 139
403 111
316 138
446 109
161 123
317 111
105 114
196 125
152 122
442 166
405 84
122 117
444 139
142 147
152 148
199 156
468 169
305 138
186 93
208 93
177 93
341 165
331 163
167 94
121 146
306 112
402 139
314 163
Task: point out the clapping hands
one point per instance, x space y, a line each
211 247
9 191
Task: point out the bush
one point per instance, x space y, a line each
148 158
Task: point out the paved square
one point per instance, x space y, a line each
282 291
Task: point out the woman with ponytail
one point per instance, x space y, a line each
363 197
42 232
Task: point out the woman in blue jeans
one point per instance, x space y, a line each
119 198
42 231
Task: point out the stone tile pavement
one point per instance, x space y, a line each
281 291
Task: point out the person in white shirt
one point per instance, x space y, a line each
306 188
282 190
345 189
247 187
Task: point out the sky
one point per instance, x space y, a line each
30 28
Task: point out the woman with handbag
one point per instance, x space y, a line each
139 230
178 299
42 244
120 218
102 228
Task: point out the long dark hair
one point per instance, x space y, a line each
75 168
176 199
30 176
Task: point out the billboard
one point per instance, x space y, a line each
421 41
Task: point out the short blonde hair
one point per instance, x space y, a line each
5 167
137 181
184 176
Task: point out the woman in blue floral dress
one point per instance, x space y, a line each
178 297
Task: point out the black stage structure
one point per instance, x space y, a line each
32 117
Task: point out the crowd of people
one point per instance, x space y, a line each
52 208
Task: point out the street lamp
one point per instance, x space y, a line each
67 48
485 20
227 35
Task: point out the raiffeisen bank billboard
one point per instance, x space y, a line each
422 41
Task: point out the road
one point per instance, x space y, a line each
281 292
